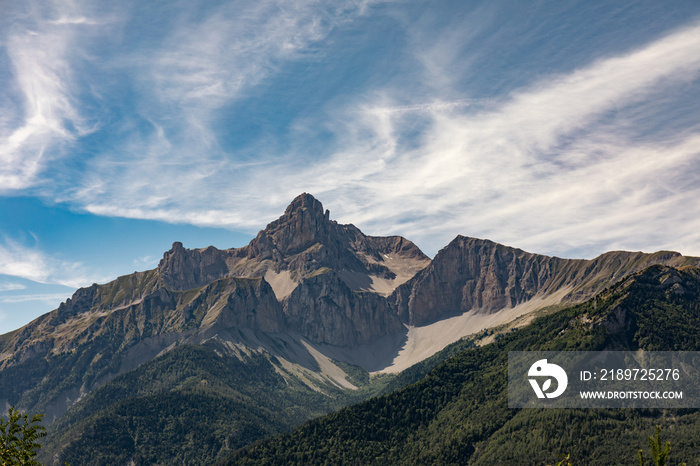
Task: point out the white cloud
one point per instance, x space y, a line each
177 171
22 262
207 63
145 261
561 163
33 264
11 287
546 169
40 297
42 114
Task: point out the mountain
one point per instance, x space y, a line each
302 243
458 413
474 284
310 304
303 276
477 275
304 253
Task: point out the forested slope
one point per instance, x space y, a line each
190 406
458 413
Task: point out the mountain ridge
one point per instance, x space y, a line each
298 244
309 294
471 274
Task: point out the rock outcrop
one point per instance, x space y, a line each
183 269
237 303
473 274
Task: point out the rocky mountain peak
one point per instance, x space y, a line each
304 241
303 224
184 269
306 203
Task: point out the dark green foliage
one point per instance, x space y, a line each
458 413
175 427
19 438
190 406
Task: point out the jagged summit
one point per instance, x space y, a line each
184 269
301 243
306 203
302 225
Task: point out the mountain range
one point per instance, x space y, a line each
457 412
258 339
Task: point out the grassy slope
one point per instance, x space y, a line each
458 413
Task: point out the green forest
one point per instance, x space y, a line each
191 405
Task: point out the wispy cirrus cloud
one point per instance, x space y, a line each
41 112
11 287
204 64
22 300
33 264
559 165
596 154
547 168
208 62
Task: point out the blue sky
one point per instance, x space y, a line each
563 128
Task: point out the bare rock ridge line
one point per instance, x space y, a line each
332 284
472 274
301 243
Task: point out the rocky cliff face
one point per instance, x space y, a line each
325 310
480 275
183 269
470 273
236 303
303 224
295 254
305 241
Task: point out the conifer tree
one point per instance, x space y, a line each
658 455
